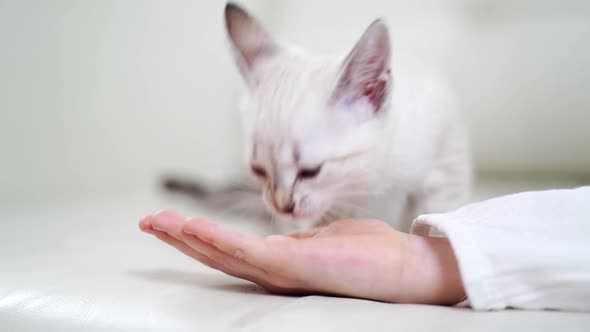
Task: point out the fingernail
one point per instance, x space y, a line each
144 222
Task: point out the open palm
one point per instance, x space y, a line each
357 258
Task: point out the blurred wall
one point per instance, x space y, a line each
521 68
106 95
97 96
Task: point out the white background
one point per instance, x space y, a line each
105 96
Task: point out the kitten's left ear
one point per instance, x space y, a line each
366 70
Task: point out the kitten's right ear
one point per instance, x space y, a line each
249 41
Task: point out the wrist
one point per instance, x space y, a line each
432 272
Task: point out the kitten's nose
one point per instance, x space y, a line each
283 202
287 209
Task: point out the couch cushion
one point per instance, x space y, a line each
84 265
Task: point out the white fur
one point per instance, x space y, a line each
393 163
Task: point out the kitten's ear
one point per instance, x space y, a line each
365 72
250 42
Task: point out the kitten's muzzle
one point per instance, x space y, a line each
287 209
283 202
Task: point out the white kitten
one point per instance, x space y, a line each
332 137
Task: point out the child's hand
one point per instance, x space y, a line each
357 258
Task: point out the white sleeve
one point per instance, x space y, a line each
528 250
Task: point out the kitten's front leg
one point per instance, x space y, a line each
443 190
390 206
447 185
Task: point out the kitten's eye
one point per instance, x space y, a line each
258 171
309 173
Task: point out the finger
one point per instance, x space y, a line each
266 258
172 224
145 223
167 226
169 222
245 247
304 234
241 269
187 250
184 248
229 264
221 257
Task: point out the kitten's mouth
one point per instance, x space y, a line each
291 215
298 216
295 216
292 212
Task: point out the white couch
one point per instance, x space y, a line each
82 265
99 98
